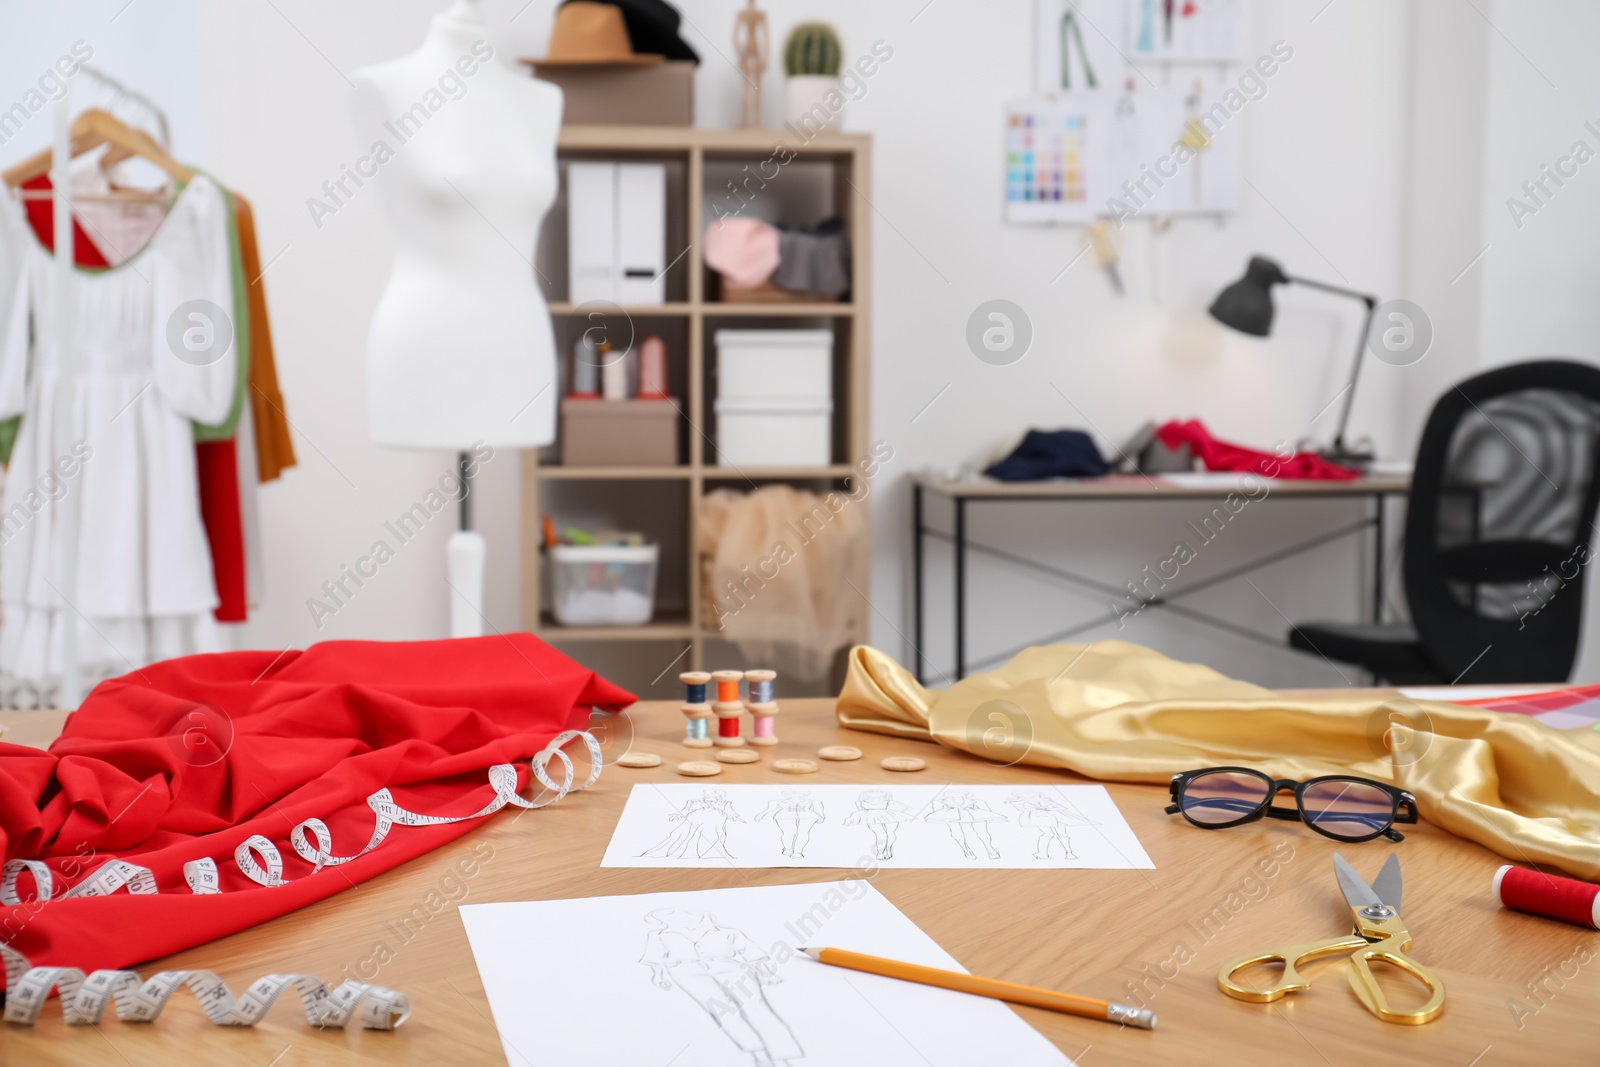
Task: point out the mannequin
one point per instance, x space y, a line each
461 351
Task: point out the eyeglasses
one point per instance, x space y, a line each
1346 809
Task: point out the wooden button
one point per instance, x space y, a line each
901 763
795 766
699 768
738 755
638 759
840 752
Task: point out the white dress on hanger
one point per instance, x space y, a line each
145 589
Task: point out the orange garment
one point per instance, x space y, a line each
274 448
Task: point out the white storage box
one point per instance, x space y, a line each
775 365
774 401
774 433
603 585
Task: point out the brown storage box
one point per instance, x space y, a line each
619 433
660 95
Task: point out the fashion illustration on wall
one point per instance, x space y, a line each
967 819
702 824
795 813
726 974
1051 819
880 813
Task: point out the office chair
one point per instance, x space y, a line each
1499 532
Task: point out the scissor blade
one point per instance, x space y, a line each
1356 891
1388 883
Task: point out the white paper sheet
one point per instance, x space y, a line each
715 978
860 826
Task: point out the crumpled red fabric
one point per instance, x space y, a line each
188 758
1222 456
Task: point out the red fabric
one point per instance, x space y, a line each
1222 456
218 462
188 758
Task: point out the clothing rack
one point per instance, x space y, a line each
70 692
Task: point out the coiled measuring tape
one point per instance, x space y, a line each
84 998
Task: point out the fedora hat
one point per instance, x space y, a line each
653 28
592 34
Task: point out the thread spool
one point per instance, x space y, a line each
653 369
1549 895
729 709
697 713
763 711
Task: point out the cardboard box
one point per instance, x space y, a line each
619 433
660 95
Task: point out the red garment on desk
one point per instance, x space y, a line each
1222 456
217 462
313 734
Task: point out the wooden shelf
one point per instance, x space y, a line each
578 474
643 311
718 308
667 629
687 322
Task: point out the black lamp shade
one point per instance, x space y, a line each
1246 305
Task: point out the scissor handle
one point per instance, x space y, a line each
1290 957
1365 986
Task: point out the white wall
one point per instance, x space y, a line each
1332 191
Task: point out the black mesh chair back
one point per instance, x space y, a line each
1500 526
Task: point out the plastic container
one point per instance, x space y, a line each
774 433
603 585
775 365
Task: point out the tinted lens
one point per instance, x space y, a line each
1217 798
1347 807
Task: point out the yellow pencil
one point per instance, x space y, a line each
1088 1007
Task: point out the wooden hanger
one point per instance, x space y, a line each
89 131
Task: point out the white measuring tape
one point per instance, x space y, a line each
84 998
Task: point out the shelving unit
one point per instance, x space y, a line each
828 175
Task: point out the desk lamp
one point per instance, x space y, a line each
1246 305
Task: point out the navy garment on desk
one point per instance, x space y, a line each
1051 454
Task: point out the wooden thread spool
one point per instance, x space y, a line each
696 711
729 709
762 707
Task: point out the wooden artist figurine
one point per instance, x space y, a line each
696 709
762 707
729 709
750 42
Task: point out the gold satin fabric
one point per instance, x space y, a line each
1122 712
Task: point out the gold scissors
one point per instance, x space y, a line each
1380 934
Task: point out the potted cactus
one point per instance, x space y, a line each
812 97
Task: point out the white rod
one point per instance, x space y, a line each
67 578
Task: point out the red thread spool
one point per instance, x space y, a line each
728 727
1549 895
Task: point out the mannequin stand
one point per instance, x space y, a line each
464 556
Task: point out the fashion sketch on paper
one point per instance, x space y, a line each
702 826
795 813
726 975
967 818
1051 819
882 814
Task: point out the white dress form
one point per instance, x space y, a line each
461 350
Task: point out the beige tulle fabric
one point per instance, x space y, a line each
780 563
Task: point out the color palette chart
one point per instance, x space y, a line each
1046 156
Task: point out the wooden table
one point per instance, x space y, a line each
1088 932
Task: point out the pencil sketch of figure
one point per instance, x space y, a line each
968 819
795 813
703 824
726 975
1051 818
882 814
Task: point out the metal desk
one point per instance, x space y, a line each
963 493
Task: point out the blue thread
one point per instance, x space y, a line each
696 693
698 728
